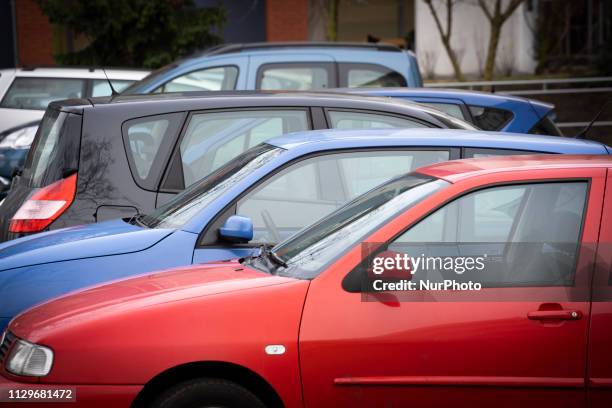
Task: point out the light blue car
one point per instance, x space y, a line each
257 199
285 66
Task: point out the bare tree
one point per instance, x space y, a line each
479 52
497 17
460 52
505 63
428 61
445 35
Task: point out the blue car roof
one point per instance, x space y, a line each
470 97
442 93
336 139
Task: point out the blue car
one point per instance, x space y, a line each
257 199
285 66
502 113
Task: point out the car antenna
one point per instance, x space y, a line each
582 134
113 91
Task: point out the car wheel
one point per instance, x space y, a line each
207 393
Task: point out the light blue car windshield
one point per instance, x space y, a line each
187 204
138 87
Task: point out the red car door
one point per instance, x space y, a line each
520 340
600 336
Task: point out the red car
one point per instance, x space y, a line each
305 324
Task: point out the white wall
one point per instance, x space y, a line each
470 38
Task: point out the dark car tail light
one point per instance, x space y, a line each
44 206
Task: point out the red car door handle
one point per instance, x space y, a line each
555 315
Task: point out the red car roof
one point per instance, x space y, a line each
456 170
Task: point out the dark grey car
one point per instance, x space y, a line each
103 158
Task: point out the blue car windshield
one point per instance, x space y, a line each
310 251
187 204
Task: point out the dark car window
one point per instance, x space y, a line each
144 139
448 121
546 126
353 75
55 149
341 119
529 234
452 109
148 142
37 93
214 138
487 118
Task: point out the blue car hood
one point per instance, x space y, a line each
86 241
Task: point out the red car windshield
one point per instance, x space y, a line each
307 253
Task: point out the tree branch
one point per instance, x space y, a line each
511 7
446 36
449 17
485 9
436 20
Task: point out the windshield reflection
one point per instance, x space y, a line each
187 204
310 251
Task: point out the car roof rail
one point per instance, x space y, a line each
90 68
235 48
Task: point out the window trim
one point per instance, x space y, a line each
205 237
157 170
329 66
327 111
345 67
175 155
84 88
348 279
201 69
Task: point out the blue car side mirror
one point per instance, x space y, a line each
237 229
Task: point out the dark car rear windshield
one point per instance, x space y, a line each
55 151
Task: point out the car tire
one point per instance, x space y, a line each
205 393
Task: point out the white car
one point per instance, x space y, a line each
26 92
